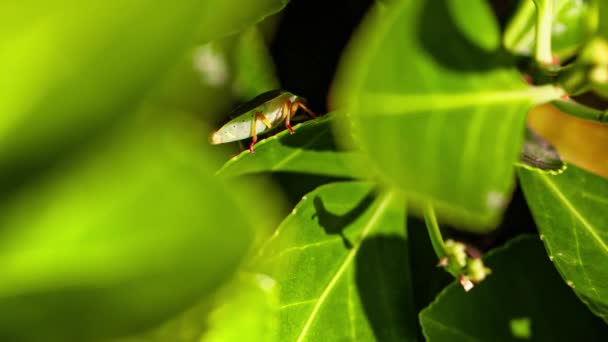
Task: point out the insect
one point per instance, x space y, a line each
539 154
260 115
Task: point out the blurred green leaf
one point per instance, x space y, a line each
211 76
224 17
437 107
341 263
248 312
120 240
573 24
245 310
70 66
310 150
522 299
570 211
255 72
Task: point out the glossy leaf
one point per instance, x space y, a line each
310 150
437 107
523 299
570 211
120 240
341 263
573 24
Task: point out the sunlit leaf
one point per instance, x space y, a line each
437 106
523 299
570 211
119 240
310 150
341 263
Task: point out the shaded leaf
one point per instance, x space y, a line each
120 240
522 299
437 106
310 150
570 211
341 263
573 23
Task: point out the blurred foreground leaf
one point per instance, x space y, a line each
116 242
245 310
438 108
71 66
573 23
341 263
570 211
523 299
310 150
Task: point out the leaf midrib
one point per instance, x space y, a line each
347 261
569 206
394 103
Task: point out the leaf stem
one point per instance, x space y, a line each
430 219
544 22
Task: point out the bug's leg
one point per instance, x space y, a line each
300 104
287 112
254 132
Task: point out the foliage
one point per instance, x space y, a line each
118 221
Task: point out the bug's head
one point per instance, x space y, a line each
216 138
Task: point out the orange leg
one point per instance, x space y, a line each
291 111
295 105
287 112
254 132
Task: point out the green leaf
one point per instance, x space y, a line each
255 72
522 299
208 78
245 310
248 312
572 26
341 263
71 66
310 150
437 107
119 240
570 211
223 17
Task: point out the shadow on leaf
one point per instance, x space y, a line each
335 224
383 281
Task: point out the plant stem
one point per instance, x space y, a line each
544 21
434 232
